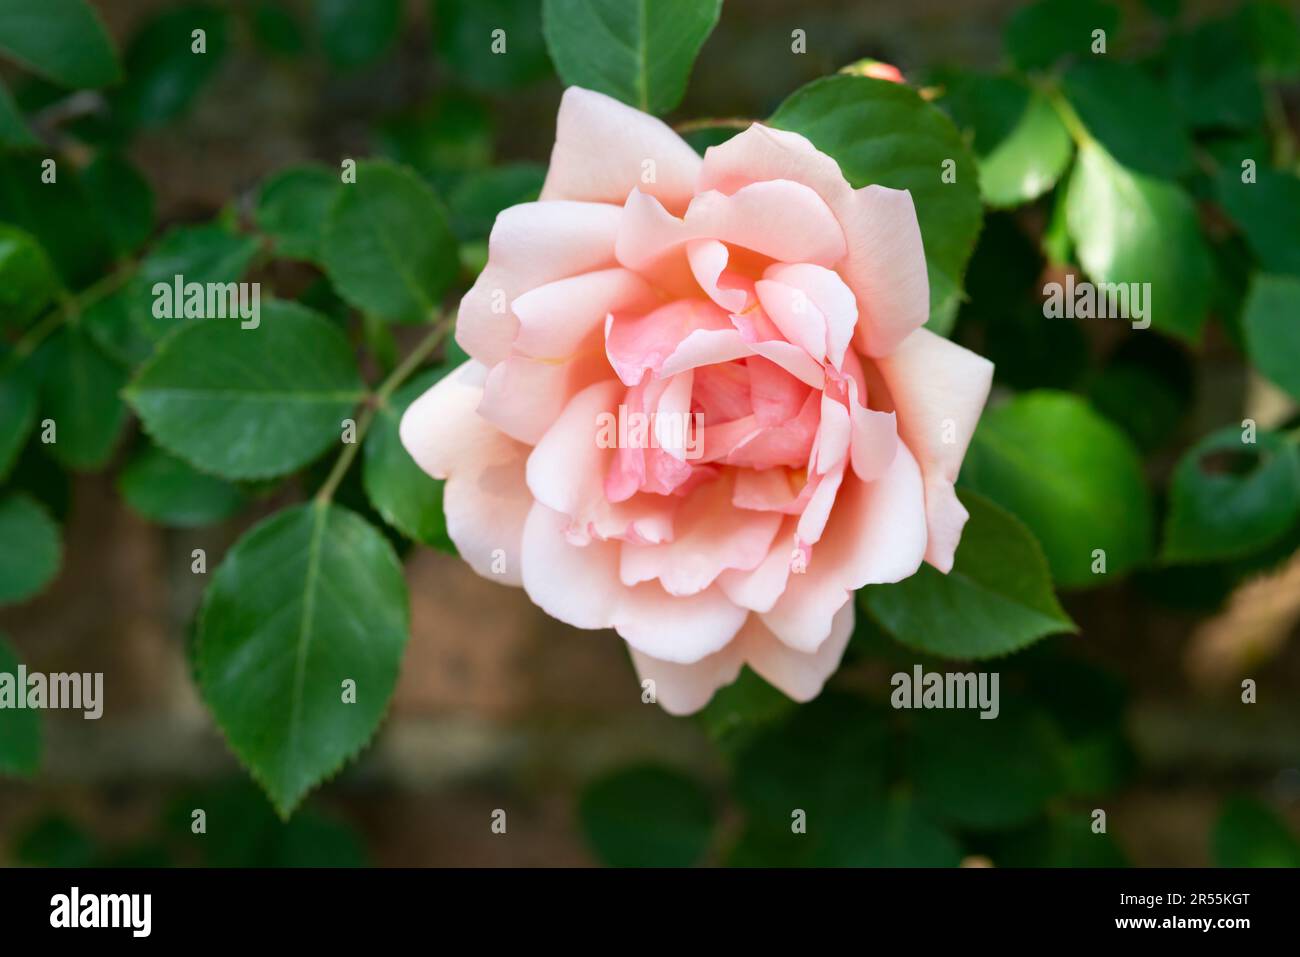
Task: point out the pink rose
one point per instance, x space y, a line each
765 318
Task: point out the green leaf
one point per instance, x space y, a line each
388 248
62 40
204 254
17 416
1267 211
28 281
638 51
1130 228
1272 35
14 131
1250 834
55 213
125 338
647 816
985 774
739 711
293 206
1021 144
464 31
307 601
249 403
997 599
1272 322
80 392
882 132
1042 33
1229 499
1131 117
20 730
276 28
479 197
163 73
356 33
30 550
893 833
122 199
1068 474
401 492
1064 839
166 490
828 759
1212 79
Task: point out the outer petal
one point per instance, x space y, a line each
603 150
579 585
486 499
939 390
799 675
685 689
531 244
885 261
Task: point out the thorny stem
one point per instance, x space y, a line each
378 400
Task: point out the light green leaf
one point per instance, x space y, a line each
1267 211
388 248
1072 476
166 490
882 132
249 403
30 550
62 40
293 206
356 33
647 816
1020 142
997 599
80 392
1271 319
638 51
307 607
401 492
20 730
1231 508
1130 228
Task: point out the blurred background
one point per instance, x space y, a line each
501 708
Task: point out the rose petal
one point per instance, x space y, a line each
604 149
485 499
531 244
938 390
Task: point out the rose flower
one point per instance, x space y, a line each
788 431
